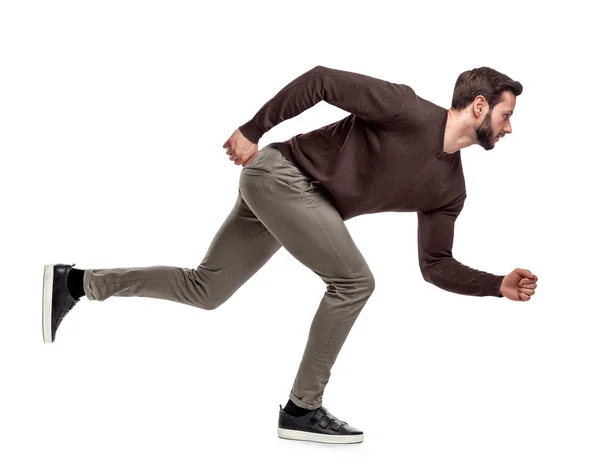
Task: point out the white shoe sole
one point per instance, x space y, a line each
47 303
318 437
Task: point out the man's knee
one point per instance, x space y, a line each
369 284
205 296
364 285
209 306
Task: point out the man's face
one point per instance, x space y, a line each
497 121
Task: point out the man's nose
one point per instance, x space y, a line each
508 129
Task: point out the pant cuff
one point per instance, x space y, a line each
87 288
304 405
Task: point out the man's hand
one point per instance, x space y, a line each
519 285
239 149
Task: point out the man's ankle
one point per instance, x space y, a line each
294 410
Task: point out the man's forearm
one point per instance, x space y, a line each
453 276
296 97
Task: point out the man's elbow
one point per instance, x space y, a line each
425 272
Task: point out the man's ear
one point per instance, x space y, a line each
479 106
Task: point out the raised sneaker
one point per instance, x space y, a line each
56 299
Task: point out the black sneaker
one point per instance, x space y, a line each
57 301
317 426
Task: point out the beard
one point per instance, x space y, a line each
484 132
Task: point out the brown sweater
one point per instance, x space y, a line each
386 155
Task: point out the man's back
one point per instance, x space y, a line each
387 155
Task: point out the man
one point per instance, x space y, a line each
394 152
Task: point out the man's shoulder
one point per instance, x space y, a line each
421 114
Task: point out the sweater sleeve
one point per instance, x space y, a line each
370 98
438 266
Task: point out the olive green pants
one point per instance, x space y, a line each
277 205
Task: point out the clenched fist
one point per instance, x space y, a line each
239 149
519 285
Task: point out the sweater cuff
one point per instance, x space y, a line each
251 131
496 286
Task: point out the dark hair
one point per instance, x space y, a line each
482 81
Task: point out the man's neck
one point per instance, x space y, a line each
457 133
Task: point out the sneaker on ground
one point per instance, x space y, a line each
317 426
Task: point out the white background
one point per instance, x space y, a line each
112 120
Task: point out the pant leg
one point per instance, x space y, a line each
239 249
296 211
